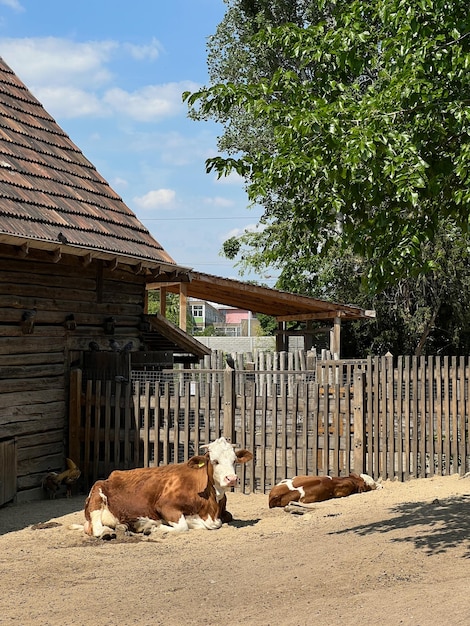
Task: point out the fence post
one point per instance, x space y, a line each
359 416
229 404
75 411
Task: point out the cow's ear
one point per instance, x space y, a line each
197 462
243 456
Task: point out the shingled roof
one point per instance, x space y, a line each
52 197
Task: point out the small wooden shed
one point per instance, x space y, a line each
74 264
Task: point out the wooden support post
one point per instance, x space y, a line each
229 404
75 415
335 339
183 305
281 337
359 426
163 293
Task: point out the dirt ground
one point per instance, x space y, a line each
400 555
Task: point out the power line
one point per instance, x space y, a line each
183 219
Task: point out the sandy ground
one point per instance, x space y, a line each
400 555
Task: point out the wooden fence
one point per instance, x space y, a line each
392 420
8 463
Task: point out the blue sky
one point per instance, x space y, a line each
111 72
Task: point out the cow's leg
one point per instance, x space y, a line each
208 523
224 515
146 525
100 522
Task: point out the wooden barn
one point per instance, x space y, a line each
74 264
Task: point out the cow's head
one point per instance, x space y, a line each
222 458
370 482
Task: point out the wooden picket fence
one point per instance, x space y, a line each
402 419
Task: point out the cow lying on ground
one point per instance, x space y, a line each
303 491
178 497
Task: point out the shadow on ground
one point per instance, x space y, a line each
438 526
15 517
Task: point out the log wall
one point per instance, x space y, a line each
74 303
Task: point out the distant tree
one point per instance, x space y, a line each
172 308
345 118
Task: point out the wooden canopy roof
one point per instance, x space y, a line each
282 305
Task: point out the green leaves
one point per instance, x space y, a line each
354 120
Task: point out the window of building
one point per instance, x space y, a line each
197 310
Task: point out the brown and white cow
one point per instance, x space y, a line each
177 497
303 491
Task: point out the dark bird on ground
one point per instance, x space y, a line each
68 477
128 347
113 344
94 347
27 321
230 363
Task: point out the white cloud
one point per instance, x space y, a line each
119 182
69 102
54 61
148 103
150 51
231 179
218 201
249 228
156 199
13 4
74 79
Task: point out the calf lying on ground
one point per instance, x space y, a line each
180 497
302 491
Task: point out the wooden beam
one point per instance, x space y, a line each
163 301
303 317
335 338
23 250
112 265
183 305
56 255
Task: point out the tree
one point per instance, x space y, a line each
361 126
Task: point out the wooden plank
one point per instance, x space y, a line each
359 419
8 470
251 487
454 417
335 440
430 415
127 427
75 412
138 434
415 408
241 438
165 405
117 426
390 402
282 421
262 448
463 435
407 417
399 419
97 430
87 474
107 422
447 416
